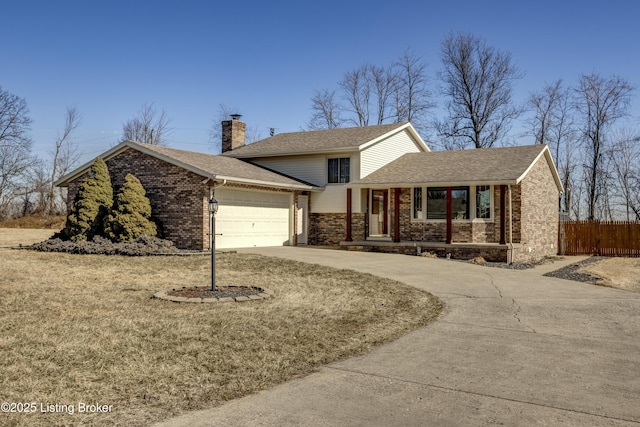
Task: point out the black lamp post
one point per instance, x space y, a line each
213 208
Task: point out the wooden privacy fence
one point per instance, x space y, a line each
606 238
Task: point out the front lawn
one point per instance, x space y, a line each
83 328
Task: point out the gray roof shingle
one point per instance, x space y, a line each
207 165
506 165
318 141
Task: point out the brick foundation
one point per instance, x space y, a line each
499 253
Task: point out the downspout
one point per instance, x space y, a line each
510 227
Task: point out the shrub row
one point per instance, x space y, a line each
142 246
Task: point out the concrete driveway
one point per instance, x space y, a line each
512 348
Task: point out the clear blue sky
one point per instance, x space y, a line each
108 58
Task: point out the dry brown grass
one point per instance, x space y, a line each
10 237
621 273
83 328
35 221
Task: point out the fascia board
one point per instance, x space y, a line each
406 127
554 171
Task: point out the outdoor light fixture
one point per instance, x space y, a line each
213 205
213 209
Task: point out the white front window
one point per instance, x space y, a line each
467 203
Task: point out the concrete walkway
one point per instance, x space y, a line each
513 348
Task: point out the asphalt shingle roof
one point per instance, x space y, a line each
221 166
207 165
340 139
488 165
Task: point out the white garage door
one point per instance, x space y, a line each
251 218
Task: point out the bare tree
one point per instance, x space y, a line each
373 94
327 111
413 99
147 127
600 103
15 146
553 124
625 158
65 155
545 104
37 183
383 82
356 85
477 79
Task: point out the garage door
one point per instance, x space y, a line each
250 218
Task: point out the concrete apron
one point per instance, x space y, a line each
512 348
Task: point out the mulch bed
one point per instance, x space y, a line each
220 292
570 271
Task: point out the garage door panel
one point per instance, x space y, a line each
250 219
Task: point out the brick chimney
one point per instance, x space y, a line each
233 133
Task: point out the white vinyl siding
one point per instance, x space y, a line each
386 151
311 169
332 200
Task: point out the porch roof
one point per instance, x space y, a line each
498 166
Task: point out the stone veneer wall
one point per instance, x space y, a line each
331 228
539 213
327 228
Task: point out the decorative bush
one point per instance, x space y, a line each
142 246
131 213
91 205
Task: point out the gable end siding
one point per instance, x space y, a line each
386 151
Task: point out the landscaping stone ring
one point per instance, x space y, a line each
204 294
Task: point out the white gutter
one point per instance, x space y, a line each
265 183
357 184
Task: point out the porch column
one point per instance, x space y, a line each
449 215
396 215
366 215
503 214
349 239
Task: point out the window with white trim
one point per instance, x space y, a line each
417 203
430 203
483 202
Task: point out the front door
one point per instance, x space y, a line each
379 216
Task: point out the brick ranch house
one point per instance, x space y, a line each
375 188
